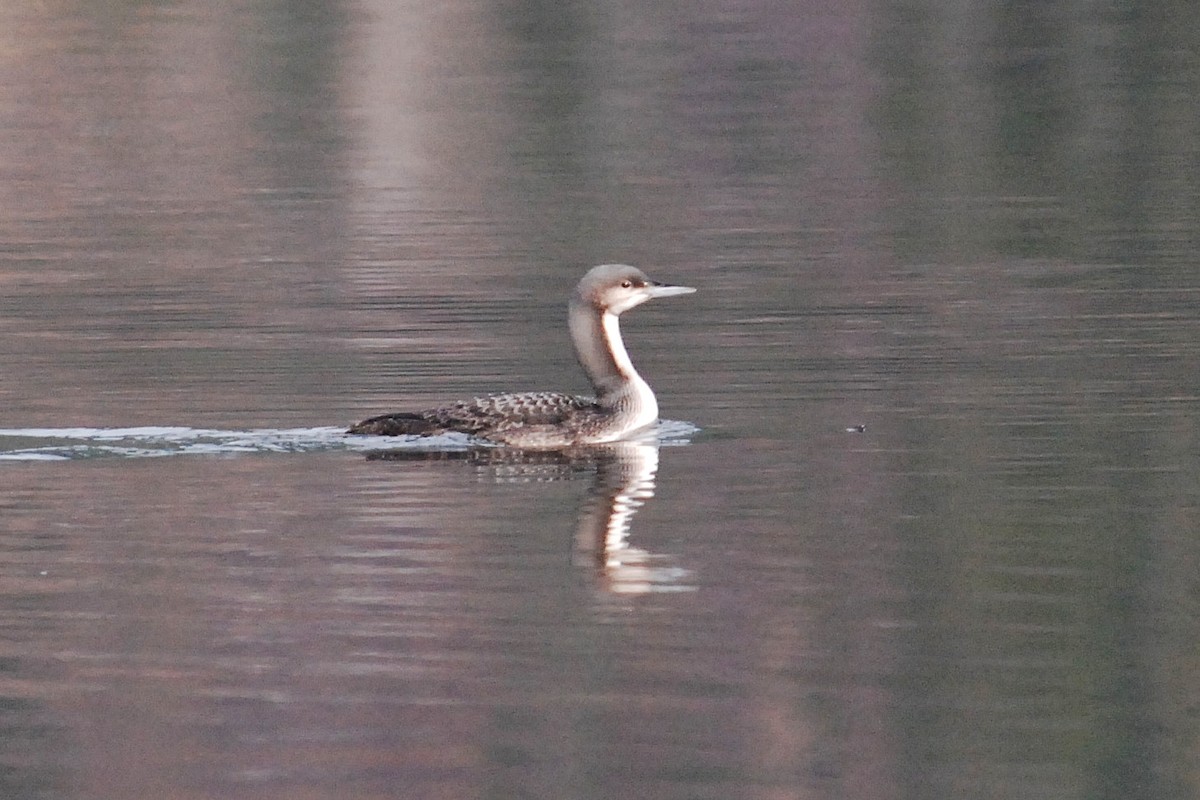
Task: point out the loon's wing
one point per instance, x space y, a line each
508 411
480 415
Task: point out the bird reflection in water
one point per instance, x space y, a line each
623 480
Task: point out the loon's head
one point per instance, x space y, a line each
616 288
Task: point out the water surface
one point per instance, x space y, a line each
928 528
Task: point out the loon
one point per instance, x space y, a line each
624 403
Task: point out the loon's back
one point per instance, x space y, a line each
504 418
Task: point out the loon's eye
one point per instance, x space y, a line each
625 284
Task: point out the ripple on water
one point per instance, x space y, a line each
62 444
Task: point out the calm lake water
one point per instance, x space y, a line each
926 520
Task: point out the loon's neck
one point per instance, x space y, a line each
597 337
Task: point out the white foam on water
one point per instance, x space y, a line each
65 444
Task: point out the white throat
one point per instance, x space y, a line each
602 354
